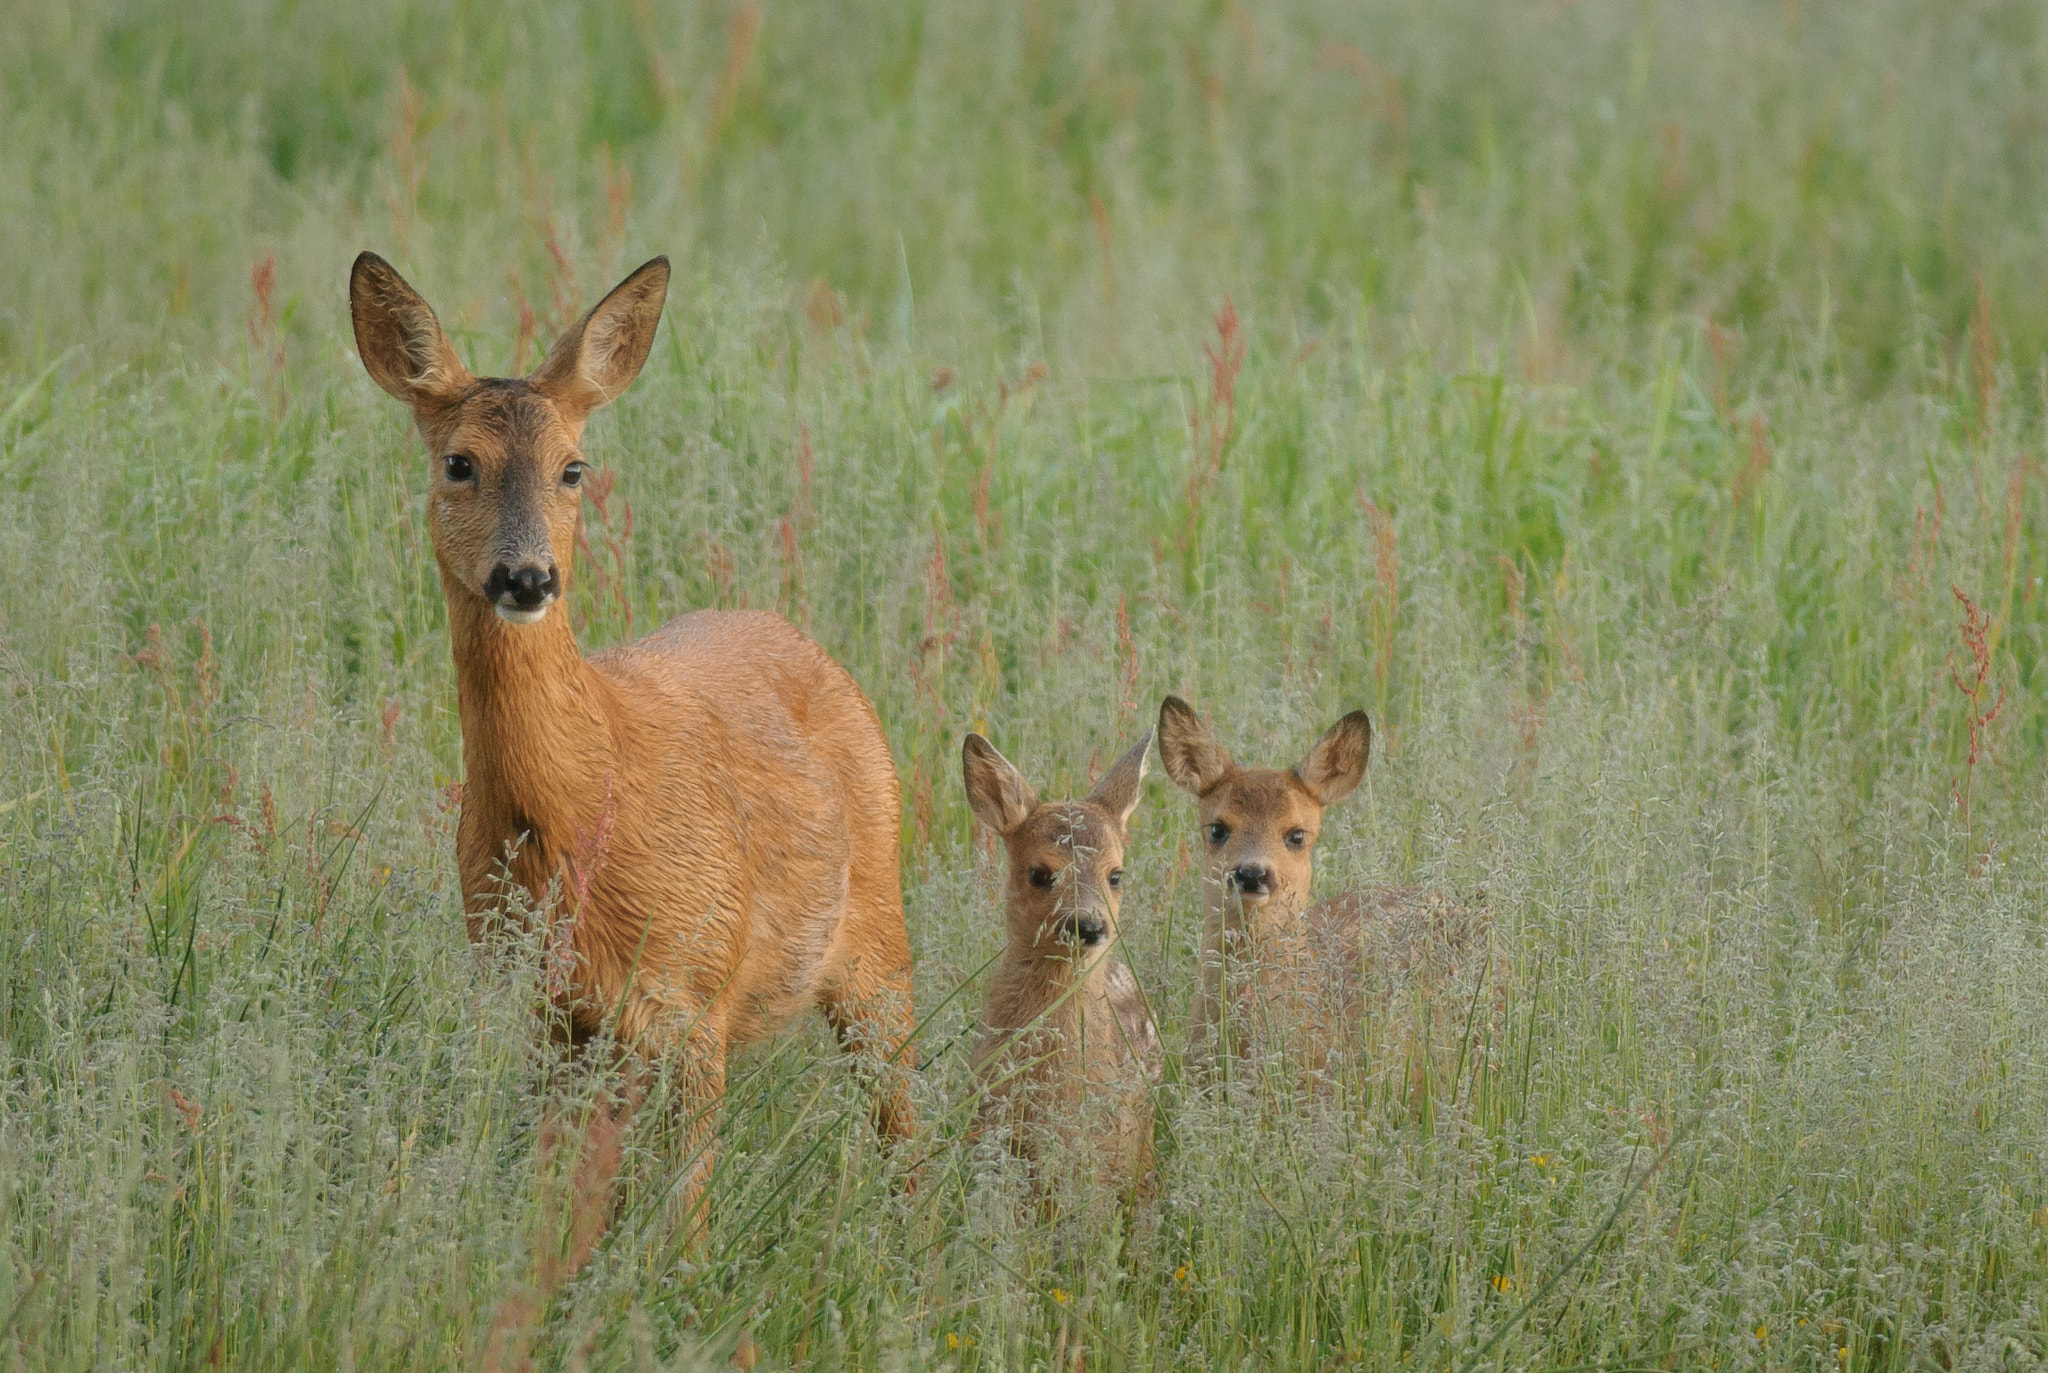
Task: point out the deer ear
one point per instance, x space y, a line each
601 353
996 791
1193 756
1124 783
1336 765
398 338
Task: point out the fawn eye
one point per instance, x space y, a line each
1041 877
1218 832
1296 838
458 467
572 475
1116 877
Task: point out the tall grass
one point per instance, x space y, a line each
1637 408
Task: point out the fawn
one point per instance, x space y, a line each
1067 1045
1271 961
712 809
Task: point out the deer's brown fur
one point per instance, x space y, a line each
713 809
1277 969
1067 1045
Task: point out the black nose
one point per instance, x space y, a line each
1252 878
1090 929
528 588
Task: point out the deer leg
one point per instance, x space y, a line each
690 1146
595 1130
874 1016
567 1227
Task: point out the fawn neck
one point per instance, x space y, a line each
536 743
1045 988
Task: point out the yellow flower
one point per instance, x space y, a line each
1541 1160
952 1340
1760 1332
1180 1274
1503 1283
1061 1296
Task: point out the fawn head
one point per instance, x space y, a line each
1066 857
504 505
1259 825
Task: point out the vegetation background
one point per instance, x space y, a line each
1636 406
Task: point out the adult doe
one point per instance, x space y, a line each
1275 967
1067 1046
712 809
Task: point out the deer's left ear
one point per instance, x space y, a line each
1336 765
1120 788
601 353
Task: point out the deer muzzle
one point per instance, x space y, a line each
522 595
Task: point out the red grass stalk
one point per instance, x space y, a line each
618 201
1386 605
1983 365
1749 481
1105 239
742 37
794 605
611 576
1214 423
522 342
408 108
1127 654
1976 636
566 295
262 324
1722 344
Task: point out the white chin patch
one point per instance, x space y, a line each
512 614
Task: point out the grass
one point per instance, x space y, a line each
1637 408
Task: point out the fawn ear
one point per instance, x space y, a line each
996 791
398 338
601 353
1193 756
1336 765
1123 784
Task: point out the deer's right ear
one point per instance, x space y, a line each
1194 757
398 338
996 791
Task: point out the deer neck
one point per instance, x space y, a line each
536 746
1045 989
1248 927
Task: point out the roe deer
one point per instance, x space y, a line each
713 807
1272 964
1067 1045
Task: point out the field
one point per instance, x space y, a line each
1638 408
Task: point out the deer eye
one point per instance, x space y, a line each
458 467
1296 838
1218 832
1116 877
572 475
1041 877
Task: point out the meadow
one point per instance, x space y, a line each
1636 407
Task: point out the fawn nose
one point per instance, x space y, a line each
1090 929
1253 879
528 588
